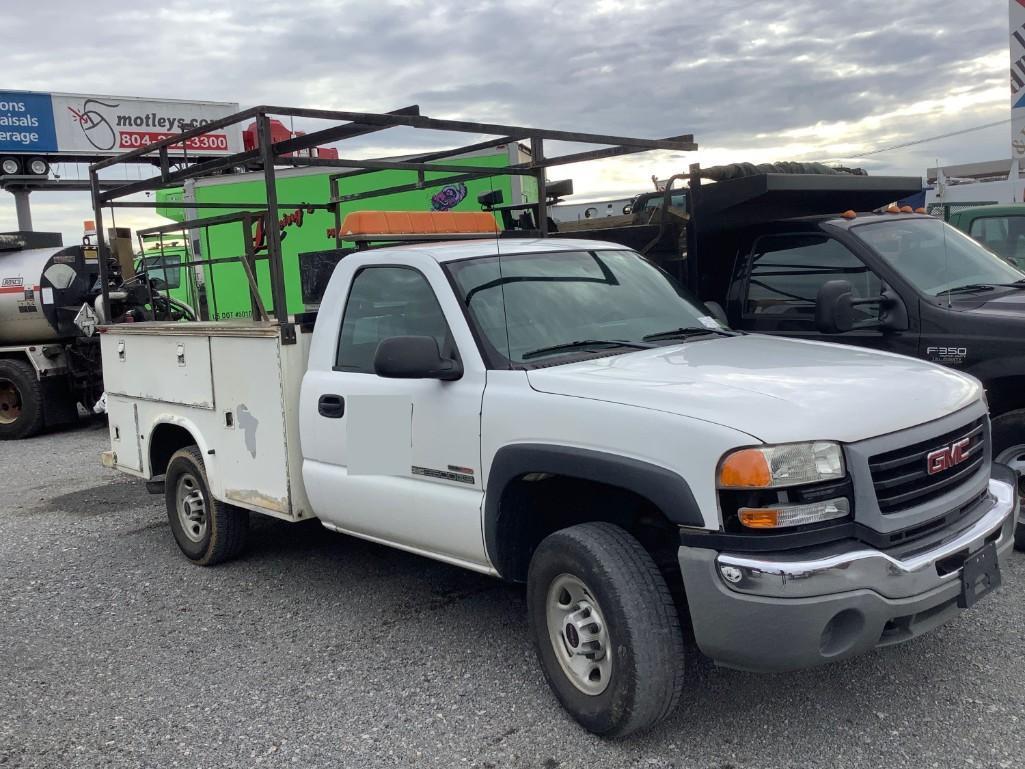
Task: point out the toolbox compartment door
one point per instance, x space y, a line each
123 422
169 369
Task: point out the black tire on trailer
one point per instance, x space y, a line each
21 401
1009 449
605 629
207 530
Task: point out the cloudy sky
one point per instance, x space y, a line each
756 81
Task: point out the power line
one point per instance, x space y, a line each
931 138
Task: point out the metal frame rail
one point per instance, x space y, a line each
348 125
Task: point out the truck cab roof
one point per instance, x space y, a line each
455 250
841 222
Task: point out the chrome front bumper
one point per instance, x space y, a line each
913 572
791 611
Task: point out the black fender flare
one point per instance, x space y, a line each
664 488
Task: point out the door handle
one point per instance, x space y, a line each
331 406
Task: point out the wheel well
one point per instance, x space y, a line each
166 440
1005 394
534 505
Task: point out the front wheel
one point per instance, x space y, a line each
207 530
605 629
1009 449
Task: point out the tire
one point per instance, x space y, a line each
1009 449
597 571
21 401
208 531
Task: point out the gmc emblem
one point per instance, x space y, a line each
947 457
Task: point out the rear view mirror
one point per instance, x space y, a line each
834 307
414 357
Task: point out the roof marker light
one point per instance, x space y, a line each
849 214
363 223
907 210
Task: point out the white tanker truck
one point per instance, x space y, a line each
49 354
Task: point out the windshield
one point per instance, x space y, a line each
527 303
676 200
935 257
165 270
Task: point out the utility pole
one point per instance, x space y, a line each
22 207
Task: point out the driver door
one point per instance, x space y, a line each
397 460
783 274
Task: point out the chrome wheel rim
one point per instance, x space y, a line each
578 634
191 506
1014 457
10 402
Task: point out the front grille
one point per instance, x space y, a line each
901 476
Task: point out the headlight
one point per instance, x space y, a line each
774 467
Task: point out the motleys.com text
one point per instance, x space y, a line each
153 120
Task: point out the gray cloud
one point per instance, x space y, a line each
736 74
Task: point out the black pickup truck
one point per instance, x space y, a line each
799 254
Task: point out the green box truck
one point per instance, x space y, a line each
220 292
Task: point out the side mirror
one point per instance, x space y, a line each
489 200
627 209
835 303
414 357
834 307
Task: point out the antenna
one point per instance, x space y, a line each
946 257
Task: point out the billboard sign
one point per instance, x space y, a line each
1017 45
80 124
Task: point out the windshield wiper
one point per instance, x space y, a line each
980 287
565 346
686 333
967 289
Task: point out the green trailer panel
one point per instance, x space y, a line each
305 229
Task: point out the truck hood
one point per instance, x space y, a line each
777 390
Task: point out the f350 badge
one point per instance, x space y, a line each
948 355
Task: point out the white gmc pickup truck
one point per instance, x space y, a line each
557 412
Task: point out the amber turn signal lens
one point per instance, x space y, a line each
745 469
759 518
849 214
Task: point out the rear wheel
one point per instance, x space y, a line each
21 401
207 530
1009 449
605 629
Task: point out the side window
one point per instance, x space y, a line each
384 302
1003 235
787 271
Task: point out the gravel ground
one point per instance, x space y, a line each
321 650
